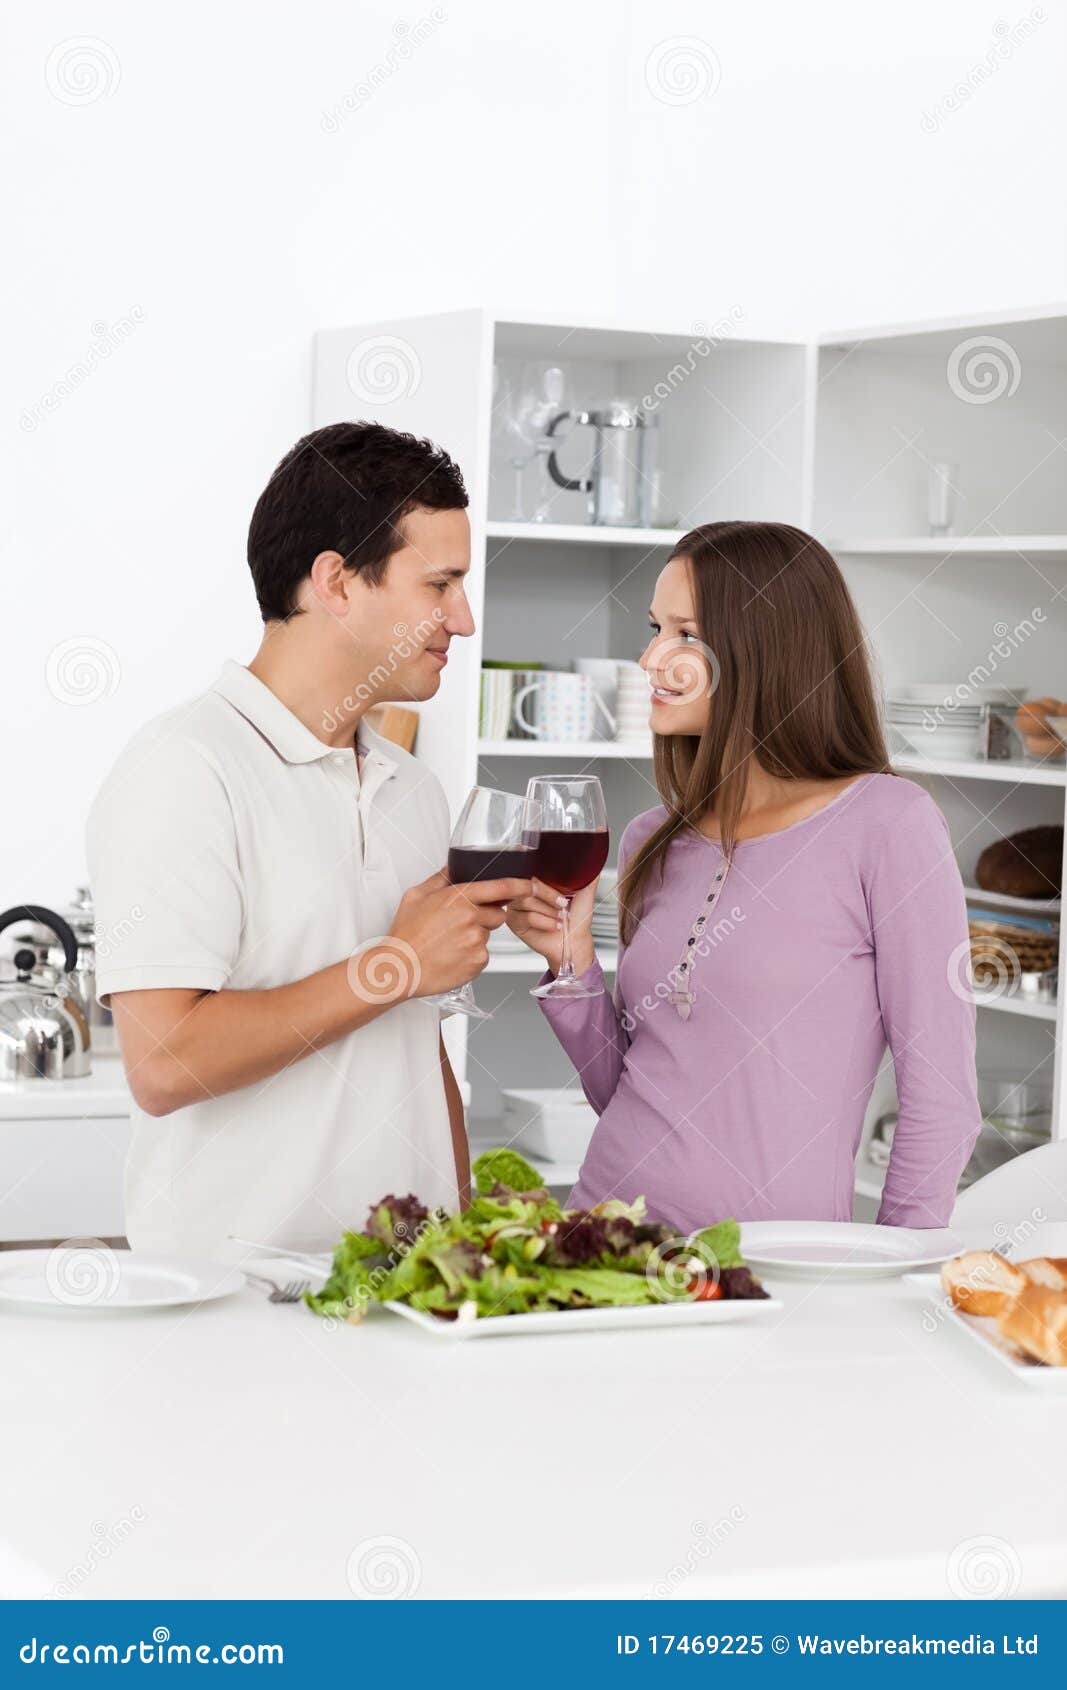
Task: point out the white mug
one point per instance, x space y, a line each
566 707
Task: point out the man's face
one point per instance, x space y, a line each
402 627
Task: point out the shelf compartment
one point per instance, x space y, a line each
589 748
1050 546
1008 770
583 534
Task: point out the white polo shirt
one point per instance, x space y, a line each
230 848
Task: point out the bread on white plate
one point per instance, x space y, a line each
982 1282
1050 1271
1036 1323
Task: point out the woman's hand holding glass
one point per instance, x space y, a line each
538 921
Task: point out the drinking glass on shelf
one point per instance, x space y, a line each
495 838
941 507
572 849
523 405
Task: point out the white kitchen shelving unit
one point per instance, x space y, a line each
834 435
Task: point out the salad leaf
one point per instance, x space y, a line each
505 1167
723 1241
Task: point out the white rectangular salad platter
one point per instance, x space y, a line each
650 1316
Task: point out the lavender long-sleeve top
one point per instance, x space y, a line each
828 940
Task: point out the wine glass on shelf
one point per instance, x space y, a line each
523 406
495 838
572 849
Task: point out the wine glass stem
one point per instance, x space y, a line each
519 467
566 967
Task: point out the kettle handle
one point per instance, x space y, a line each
46 918
584 484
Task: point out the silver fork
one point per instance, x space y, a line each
291 1292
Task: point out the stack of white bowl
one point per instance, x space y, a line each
632 704
942 720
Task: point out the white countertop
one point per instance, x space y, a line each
249 1450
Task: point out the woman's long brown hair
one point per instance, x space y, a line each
794 685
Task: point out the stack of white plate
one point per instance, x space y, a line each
943 719
632 704
605 919
555 1123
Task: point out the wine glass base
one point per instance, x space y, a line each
461 1006
566 989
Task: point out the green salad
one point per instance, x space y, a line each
516 1251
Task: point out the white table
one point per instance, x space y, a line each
250 1450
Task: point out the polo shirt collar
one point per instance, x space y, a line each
290 737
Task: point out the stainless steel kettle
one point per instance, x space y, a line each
623 471
80 916
44 1028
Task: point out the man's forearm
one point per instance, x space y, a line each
223 1040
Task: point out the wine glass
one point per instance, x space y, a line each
495 838
572 849
523 407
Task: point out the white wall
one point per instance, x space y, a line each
199 217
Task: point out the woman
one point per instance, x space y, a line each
789 908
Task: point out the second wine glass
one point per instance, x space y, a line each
572 851
495 838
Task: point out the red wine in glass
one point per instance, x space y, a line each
572 848
467 863
570 860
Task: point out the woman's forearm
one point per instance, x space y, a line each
591 1032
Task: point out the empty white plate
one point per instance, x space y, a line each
81 1278
847 1249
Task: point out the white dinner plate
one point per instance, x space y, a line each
80 1278
650 1316
847 1249
983 1330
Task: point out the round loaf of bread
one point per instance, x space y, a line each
1026 865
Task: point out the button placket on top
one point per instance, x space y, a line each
683 997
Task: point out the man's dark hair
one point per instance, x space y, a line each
343 489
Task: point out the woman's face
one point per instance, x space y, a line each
682 670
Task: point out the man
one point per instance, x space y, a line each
274 869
